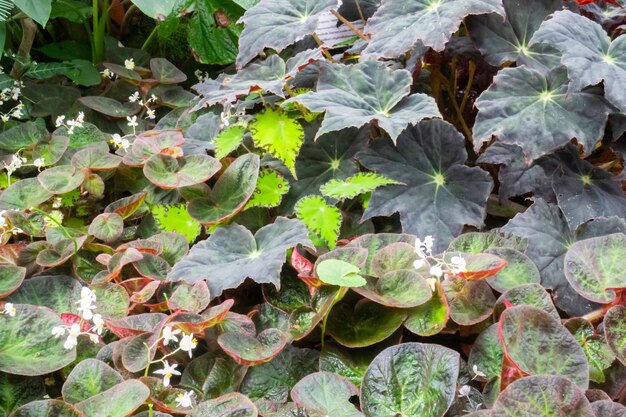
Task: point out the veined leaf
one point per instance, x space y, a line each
176 218
270 188
354 186
354 95
228 140
320 218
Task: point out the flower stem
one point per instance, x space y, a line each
338 297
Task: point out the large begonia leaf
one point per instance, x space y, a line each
537 343
608 408
168 172
61 179
596 267
354 95
230 193
233 253
549 237
501 41
431 317
588 53
273 380
127 397
325 394
278 24
599 354
374 243
615 331
519 270
46 408
253 350
26 345
487 354
410 379
229 405
533 295
441 194
90 377
23 136
333 157
478 242
398 25
470 302
542 395
16 390
24 194
403 288
57 292
213 374
11 278
538 113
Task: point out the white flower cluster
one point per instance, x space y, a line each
4 224
437 267
120 142
18 161
187 344
9 309
71 124
86 307
107 73
228 114
150 113
12 94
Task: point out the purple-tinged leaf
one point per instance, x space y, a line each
533 295
11 277
107 227
126 396
608 408
487 354
213 374
95 159
615 331
47 408
90 377
168 172
229 405
24 194
253 350
325 393
519 270
190 297
470 302
110 107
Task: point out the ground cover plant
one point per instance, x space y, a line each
241 208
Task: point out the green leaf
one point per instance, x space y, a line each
61 179
232 253
165 72
439 195
190 297
228 140
110 107
78 70
229 405
403 288
410 379
325 394
538 344
277 24
348 363
18 390
533 295
24 135
46 408
599 354
38 10
127 397
251 350
107 227
615 331
596 267
157 10
470 302
24 194
538 112
176 219
11 278
270 189
320 218
354 95
211 42
542 396
57 292
230 193
96 159
353 186
337 272
487 354
26 345
72 10
90 377
214 374
431 317
519 270
168 172
398 25
278 134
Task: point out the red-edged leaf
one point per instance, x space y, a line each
481 266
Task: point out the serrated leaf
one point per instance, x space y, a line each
538 112
176 219
270 189
277 24
228 140
354 186
398 25
320 218
338 272
354 95
440 195
232 253
278 134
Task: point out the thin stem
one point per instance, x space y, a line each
350 25
461 120
358 8
260 93
468 86
150 37
595 315
338 297
321 45
94 16
63 229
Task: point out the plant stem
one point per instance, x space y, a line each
150 37
338 297
321 45
63 229
358 8
350 25
468 86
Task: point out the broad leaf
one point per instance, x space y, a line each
538 344
533 295
410 379
269 191
229 405
228 140
176 219
46 408
96 159
402 288
24 194
90 377
325 394
190 297
538 112
57 292
479 242
17 390
596 267
599 354
354 95
441 194
338 272
165 72
232 253
251 350
168 172
127 397
109 106
11 278
61 179
398 25
277 24
615 331
22 136
213 374
470 302
213 33
320 218
348 363
107 227
486 354
608 408
38 10
355 185
519 270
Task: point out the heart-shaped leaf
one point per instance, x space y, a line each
23 136
441 194
107 227
11 278
109 106
398 25
470 302
615 331
595 267
431 317
519 270
61 179
228 140
608 408
96 159
26 345
57 292
168 172
542 396
23 195
190 297
253 350
348 363
230 193
325 394
229 405
165 72
538 344
213 374
337 272
46 408
411 379
354 95
402 288
235 253
538 112
90 377
127 397
533 295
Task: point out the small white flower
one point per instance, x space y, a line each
58 331
419 263
436 271
39 162
87 298
458 264
9 309
134 97
432 283
167 372
170 335
188 343
132 121
60 120
184 400
3 219
57 202
150 114
129 63
72 338
16 231
108 73
153 98
5 118
94 338
465 390
98 323
478 372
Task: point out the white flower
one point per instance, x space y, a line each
87 298
98 323
458 264
465 390
184 400
94 338
72 338
478 372
428 243
170 335
3 219
134 97
419 263
60 120
5 118
108 73
132 121
424 248
129 63
436 271
16 231
188 343
432 282
58 331
39 162
9 309
57 202
153 98
150 114
167 372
